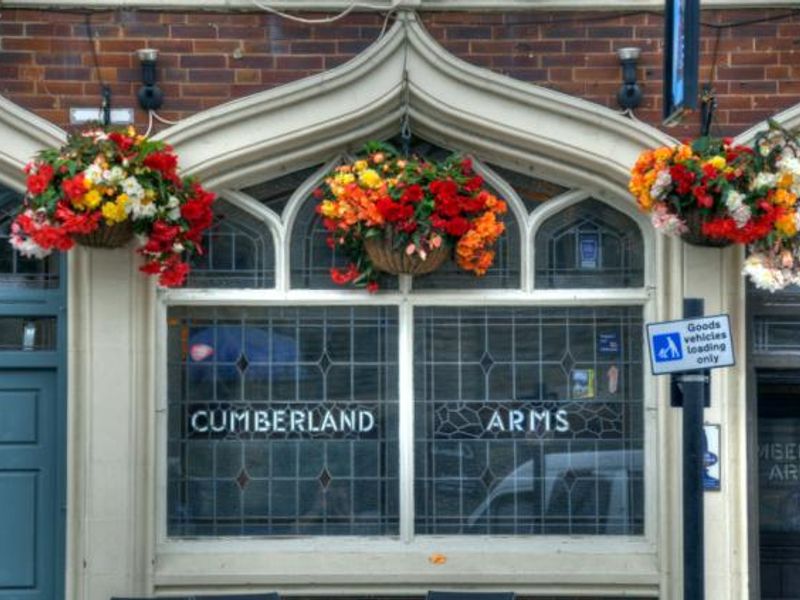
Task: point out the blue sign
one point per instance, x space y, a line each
667 347
681 52
608 343
590 250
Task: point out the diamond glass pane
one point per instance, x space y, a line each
282 421
238 252
533 192
528 421
589 245
276 193
16 270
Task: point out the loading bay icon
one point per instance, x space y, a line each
667 347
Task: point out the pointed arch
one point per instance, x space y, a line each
23 134
450 102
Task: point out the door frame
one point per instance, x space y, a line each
52 302
761 304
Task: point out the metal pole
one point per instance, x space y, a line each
694 390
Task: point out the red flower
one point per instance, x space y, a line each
75 187
123 142
152 267
373 287
413 193
702 196
457 226
162 237
340 277
682 177
466 166
443 189
474 184
77 223
165 163
38 182
174 273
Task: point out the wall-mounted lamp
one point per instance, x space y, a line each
630 94
150 95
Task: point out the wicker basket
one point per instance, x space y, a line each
107 236
695 236
391 260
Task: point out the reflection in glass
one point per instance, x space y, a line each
547 440
279 424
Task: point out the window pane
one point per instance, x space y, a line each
589 245
238 252
528 421
276 193
16 270
533 192
283 421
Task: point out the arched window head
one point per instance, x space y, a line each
15 269
238 252
589 245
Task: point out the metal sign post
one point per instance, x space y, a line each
690 347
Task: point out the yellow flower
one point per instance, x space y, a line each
370 179
92 198
328 209
122 200
718 162
785 180
344 178
114 212
360 165
662 154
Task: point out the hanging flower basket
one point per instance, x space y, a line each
695 219
401 215
713 193
395 261
104 186
107 236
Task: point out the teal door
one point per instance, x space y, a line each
32 420
28 484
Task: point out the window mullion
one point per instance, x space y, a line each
406 416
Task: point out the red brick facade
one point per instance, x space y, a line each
46 64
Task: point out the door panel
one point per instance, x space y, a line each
29 495
779 484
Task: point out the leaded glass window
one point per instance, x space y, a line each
533 191
276 193
15 269
528 421
283 421
589 245
238 252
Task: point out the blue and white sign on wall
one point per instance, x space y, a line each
690 344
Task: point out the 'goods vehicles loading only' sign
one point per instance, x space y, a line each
690 344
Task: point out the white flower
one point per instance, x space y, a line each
764 277
27 247
177 248
93 173
668 223
132 188
764 179
139 210
661 184
741 215
115 175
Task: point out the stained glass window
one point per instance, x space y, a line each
238 252
15 269
283 421
528 421
589 245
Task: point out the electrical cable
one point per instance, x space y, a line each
321 21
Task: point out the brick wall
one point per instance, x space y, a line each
46 64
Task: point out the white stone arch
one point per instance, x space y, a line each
789 118
449 101
23 134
